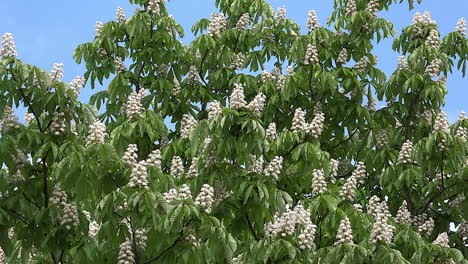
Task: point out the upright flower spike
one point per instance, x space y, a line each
9 120
77 84
404 157
257 104
154 159
311 55
362 64
69 218
57 72
402 63
271 131
442 240
120 15
97 133
381 229
98 29
193 75
176 87
58 196
266 76
130 155
177 166
243 22
350 7
274 168
433 69
281 13
298 123
134 107
312 20
139 176
205 198
319 185
433 39
126 255
344 233
257 166
215 110
281 81
373 6
342 57
57 126
217 25
382 139
441 123
193 169
8 48
186 126
461 26
307 236
237 98
427 226
154 8
239 61
403 215
316 126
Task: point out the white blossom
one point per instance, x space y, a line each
56 73
98 29
120 15
281 80
139 176
28 117
404 157
427 20
290 70
257 166
382 139
266 76
205 198
334 170
217 25
176 87
93 228
342 56
461 26
58 196
463 228
130 155
403 215
77 84
442 240
462 132
271 131
312 20
193 75
177 166
154 8
433 39
69 218
274 167
239 62
119 65
154 159
237 98
427 226
9 120
298 123
381 229
344 233
307 236
141 237
126 255
373 6
441 123
433 69
171 195
134 107
8 46
402 63
316 126
193 169
187 124
311 55
358 207
319 185
351 7
57 125
243 22
97 133
257 104
362 64
349 188
281 13
215 110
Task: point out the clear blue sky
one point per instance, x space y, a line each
48 31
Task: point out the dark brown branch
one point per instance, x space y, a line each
251 227
22 218
342 142
166 250
426 205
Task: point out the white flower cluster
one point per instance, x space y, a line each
28 117
126 255
461 116
461 26
215 110
57 125
342 56
163 70
402 63
130 155
381 230
351 7
257 166
93 228
433 39
58 196
119 65
345 233
312 20
69 218
20 159
426 226
290 70
56 73
154 8
441 123
463 228
404 157
349 188
281 13
9 120
382 139
319 185
373 6
298 122
239 61
3 258
274 167
187 124
362 64
316 126
334 170
281 80
77 84
192 239
178 195
193 169
358 207
120 15
139 176
427 115
311 55
285 225
98 29
257 104
205 198
154 159
237 98
8 46
243 22
403 215
442 240
424 19
266 76
133 107
271 131
217 25
193 75
433 69
176 87
177 166
141 237
97 133
462 132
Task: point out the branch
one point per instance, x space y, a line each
166 250
201 68
348 138
424 207
22 218
251 227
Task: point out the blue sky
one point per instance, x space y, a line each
48 31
